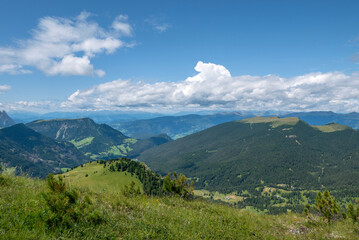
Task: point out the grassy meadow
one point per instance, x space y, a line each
25 214
99 179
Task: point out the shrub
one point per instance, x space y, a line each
66 207
131 190
178 185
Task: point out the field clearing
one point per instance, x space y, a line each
229 198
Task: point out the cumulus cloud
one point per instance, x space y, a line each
4 88
215 88
65 46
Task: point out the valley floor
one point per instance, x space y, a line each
24 214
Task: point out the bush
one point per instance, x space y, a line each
66 207
178 185
129 191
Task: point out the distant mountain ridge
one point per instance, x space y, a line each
246 154
5 120
325 117
176 126
36 154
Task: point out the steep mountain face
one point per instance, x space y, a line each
36 154
175 126
98 141
243 155
95 140
5 120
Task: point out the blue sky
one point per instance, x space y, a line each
142 55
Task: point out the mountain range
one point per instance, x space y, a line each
176 126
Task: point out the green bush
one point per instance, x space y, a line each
178 185
129 191
67 207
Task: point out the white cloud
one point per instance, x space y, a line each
120 25
35 106
71 65
57 42
4 88
157 23
13 69
214 88
162 27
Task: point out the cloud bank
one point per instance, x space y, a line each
214 88
64 46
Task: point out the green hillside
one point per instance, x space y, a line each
36 154
244 157
27 212
98 178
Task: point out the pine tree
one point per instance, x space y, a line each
327 205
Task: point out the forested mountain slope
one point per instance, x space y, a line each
245 154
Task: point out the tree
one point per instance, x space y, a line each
353 212
326 205
178 185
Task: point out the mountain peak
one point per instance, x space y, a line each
5 120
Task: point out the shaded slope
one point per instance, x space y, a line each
245 154
36 154
144 144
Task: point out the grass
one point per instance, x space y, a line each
99 179
332 127
82 143
65 169
23 212
275 121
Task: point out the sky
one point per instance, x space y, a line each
172 56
